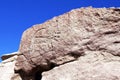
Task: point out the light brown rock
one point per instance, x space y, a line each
16 77
7 68
94 66
66 38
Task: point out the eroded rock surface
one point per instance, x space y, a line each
7 67
96 65
66 38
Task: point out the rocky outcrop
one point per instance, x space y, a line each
7 67
83 44
96 65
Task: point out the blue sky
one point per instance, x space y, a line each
18 15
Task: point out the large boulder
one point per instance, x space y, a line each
67 38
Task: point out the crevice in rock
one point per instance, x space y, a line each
76 53
116 42
52 65
110 32
116 9
38 75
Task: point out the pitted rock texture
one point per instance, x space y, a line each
67 37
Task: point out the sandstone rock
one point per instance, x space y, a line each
66 38
7 68
96 65
16 77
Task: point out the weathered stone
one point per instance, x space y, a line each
7 68
16 77
67 37
96 65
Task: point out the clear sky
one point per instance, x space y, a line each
18 15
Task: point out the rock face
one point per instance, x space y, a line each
67 37
83 44
96 65
7 67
